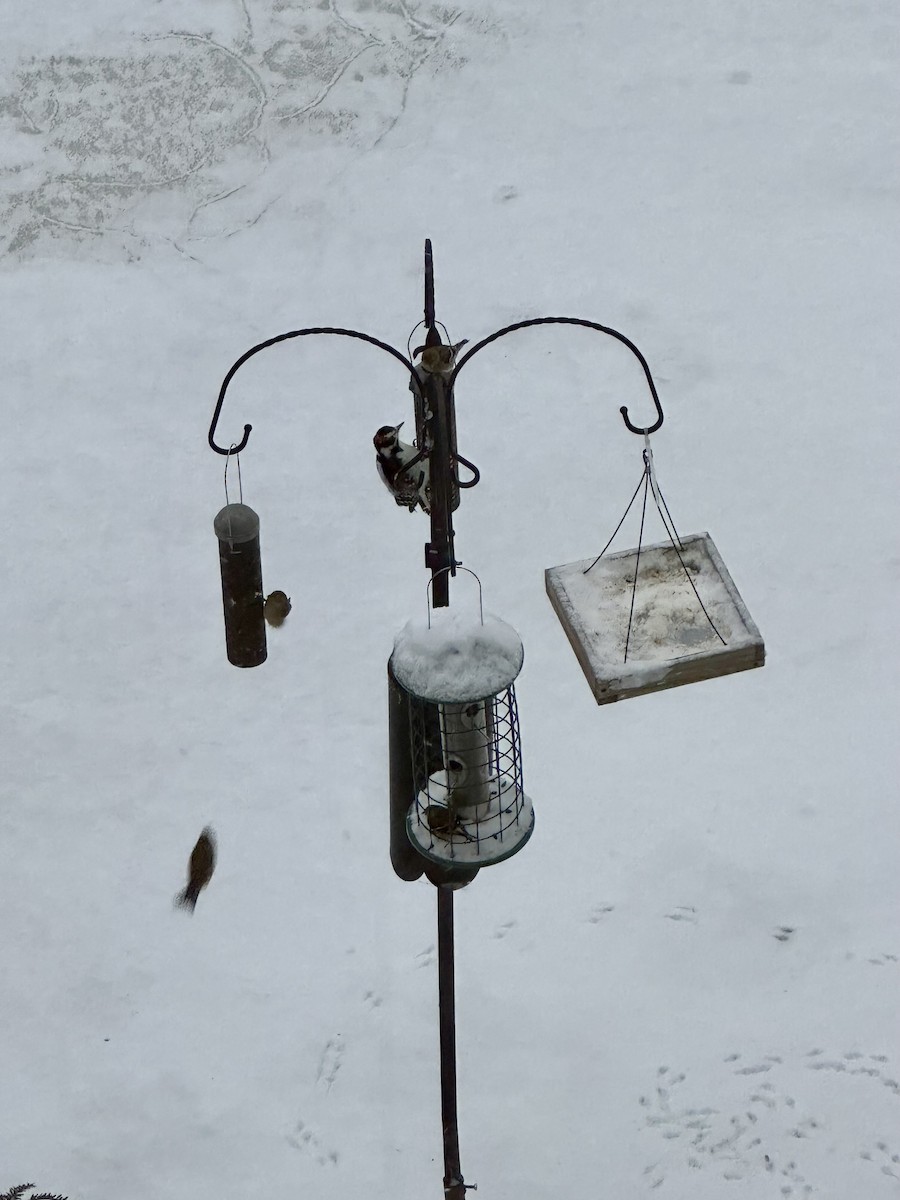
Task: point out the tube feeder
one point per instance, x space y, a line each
237 528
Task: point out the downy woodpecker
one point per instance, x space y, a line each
408 484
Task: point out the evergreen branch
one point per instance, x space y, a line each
17 1193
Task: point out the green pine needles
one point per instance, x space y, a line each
18 1193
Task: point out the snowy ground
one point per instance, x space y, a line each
686 984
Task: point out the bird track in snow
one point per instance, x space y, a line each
305 1139
330 1061
766 1120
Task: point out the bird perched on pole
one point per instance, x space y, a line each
402 471
276 608
439 360
200 868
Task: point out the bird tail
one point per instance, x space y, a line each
187 898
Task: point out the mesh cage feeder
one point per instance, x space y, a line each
470 808
237 528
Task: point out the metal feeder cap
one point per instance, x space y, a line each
236 523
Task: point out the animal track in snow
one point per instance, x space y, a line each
883 1157
683 912
330 1061
426 957
502 930
372 1000
769 1118
599 911
304 1138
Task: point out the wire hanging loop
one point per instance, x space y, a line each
237 458
459 567
651 471
650 484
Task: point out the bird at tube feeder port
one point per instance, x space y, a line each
276 608
201 865
439 360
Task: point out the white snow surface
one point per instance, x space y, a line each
455 655
686 984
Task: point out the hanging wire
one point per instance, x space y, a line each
637 561
428 595
421 325
651 483
619 526
687 574
240 493
650 467
237 458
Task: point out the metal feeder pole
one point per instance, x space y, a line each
439 556
454 1188
439 551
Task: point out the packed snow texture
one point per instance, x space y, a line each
456 657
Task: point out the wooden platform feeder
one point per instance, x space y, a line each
671 640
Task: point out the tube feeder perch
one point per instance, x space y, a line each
470 809
672 640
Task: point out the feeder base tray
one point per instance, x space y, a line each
672 642
479 844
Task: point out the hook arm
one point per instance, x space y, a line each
283 337
588 325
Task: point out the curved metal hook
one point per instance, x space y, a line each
476 474
283 337
588 325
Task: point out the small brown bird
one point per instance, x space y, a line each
439 360
276 608
200 869
441 820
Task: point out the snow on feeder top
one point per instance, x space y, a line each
455 657
458 669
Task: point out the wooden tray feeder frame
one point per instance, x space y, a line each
687 623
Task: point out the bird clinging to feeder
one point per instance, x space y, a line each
403 472
200 868
276 608
439 359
